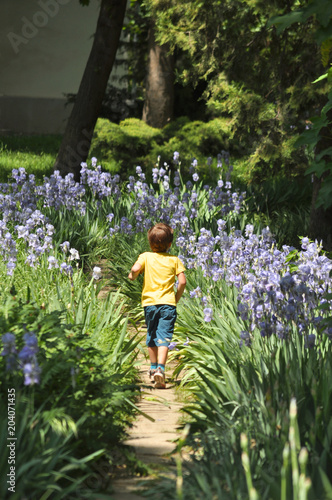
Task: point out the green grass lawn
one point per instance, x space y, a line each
35 153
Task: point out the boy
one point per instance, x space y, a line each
158 297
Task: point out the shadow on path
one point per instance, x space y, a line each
153 438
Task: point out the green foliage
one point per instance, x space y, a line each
319 136
320 9
119 146
257 79
124 252
46 462
321 164
249 390
271 148
192 139
281 204
85 232
92 382
87 359
135 46
134 141
84 401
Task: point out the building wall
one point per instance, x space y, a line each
44 47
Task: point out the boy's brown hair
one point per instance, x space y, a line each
160 236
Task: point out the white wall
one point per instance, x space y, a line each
44 47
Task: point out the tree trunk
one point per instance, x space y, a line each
76 141
320 226
159 97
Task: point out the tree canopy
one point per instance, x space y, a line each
257 77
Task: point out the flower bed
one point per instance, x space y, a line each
254 328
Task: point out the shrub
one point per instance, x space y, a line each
122 147
192 140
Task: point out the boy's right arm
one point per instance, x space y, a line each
135 270
181 286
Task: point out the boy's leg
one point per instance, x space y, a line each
164 335
162 354
151 323
164 331
153 354
159 375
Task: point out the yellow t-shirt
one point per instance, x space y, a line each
159 270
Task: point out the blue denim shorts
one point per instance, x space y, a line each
160 322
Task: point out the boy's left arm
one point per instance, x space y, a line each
135 271
181 286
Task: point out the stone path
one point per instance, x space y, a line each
153 441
